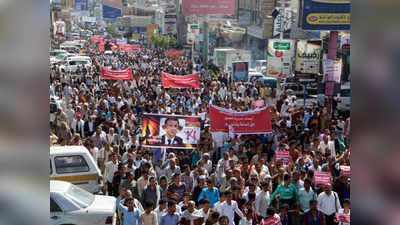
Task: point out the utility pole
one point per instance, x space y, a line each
332 52
205 46
281 38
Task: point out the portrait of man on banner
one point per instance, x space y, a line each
170 127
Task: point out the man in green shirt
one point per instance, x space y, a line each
287 192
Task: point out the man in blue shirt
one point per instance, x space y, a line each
211 193
171 217
131 214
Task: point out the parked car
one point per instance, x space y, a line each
272 81
76 165
70 204
254 76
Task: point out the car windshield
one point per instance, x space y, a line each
56 53
78 62
60 56
345 93
80 196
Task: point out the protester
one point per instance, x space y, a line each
225 174
149 217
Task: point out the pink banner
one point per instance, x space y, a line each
341 217
285 155
116 74
346 171
322 177
273 220
192 7
258 103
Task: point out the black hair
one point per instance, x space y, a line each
307 180
313 201
223 217
346 201
270 211
215 215
148 204
228 192
204 201
284 206
171 203
251 195
162 201
184 167
129 199
286 177
171 118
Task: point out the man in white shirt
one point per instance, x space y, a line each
329 204
217 205
110 168
326 144
161 210
315 166
262 200
207 162
229 207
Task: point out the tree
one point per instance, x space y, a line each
162 41
111 29
172 42
128 35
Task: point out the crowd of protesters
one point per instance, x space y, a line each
226 179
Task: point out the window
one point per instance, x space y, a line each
345 93
70 164
51 169
78 62
80 196
53 206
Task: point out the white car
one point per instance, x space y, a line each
70 204
72 63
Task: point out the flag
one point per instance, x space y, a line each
275 13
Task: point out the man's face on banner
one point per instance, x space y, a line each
171 128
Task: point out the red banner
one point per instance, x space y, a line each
169 80
96 38
322 177
257 121
129 47
285 155
174 53
116 74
